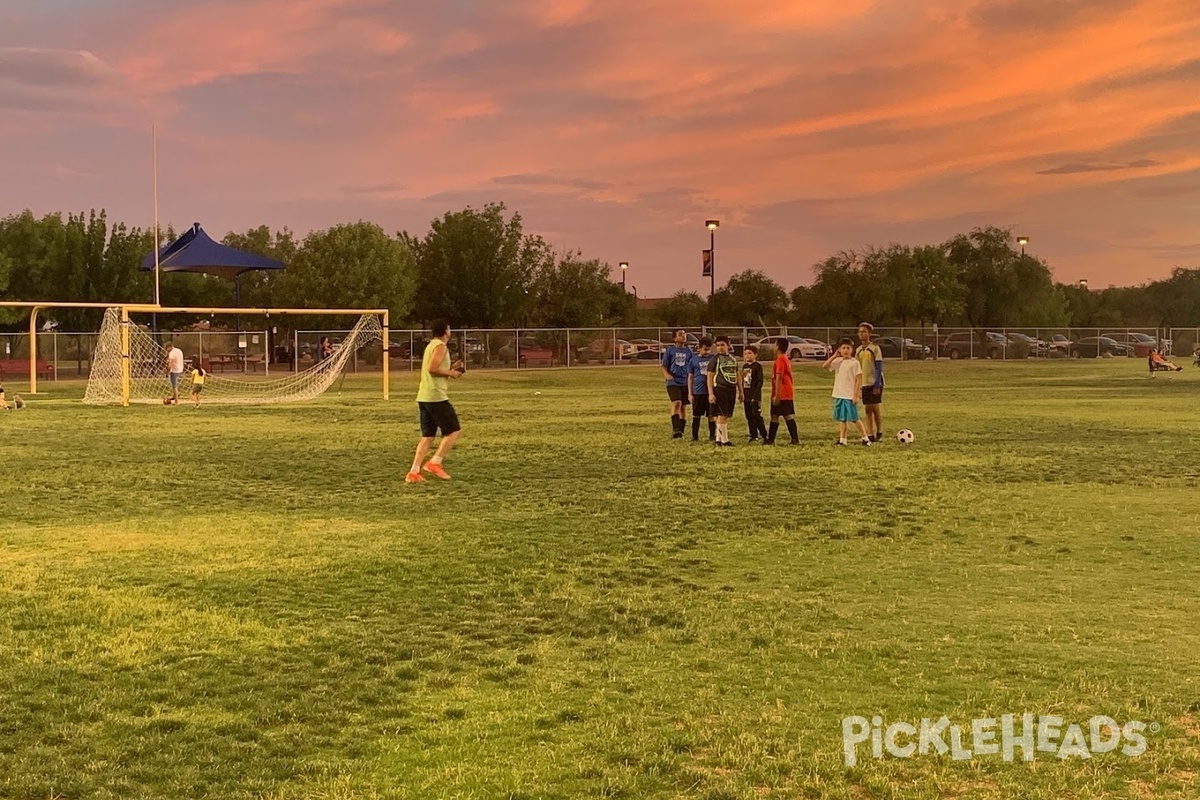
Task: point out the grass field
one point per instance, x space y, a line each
250 603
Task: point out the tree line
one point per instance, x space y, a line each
479 268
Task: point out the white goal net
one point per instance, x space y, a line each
148 382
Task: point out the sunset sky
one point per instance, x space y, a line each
617 127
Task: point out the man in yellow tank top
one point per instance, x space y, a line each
433 405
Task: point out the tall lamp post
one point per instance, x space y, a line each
712 225
1022 240
624 267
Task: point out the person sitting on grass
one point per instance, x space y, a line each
6 406
1160 364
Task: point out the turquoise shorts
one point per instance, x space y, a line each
844 410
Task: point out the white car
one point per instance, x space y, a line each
798 347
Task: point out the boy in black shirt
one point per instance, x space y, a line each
752 384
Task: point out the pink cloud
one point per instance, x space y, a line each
805 125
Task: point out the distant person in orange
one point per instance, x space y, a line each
1160 364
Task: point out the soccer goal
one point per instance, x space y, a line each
130 360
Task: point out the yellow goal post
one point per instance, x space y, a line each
124 337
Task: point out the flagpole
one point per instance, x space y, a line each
154 159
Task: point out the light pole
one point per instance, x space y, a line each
712 225
1022 240
1083 284
624 267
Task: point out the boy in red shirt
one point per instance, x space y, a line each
782 394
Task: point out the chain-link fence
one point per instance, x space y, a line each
68 355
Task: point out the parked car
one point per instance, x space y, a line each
902 348
969 344
819 343
798 347
603 349
1059 345
1097 346
527 351
1141 343
641 346
1030 345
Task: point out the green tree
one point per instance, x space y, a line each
475 268
572 293
683 308
751 298
261 287
1001 286
356 265
841 293
939 295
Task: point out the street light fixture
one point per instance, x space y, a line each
1083 284
1022 240
624 266
712 225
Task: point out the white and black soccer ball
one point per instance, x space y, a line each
904 436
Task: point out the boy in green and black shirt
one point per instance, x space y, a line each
724 388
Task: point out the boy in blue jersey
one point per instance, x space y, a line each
674 366
870 359
698 381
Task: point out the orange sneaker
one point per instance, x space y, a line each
414 477
436 469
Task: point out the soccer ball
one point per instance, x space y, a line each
166 401
905 436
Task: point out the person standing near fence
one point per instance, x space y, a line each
174 370
433 405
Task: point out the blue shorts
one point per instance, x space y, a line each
844 410
174 377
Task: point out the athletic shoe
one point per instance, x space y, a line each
794 441
436 470
727 444
877 437
866 442
414 477
752 440
677 435
840 443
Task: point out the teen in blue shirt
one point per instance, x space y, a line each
698 369
675 370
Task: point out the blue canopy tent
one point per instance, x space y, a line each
195 251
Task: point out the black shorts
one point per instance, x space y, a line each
438 416
700 406
872 396
678 394
197 388
726 400
783 408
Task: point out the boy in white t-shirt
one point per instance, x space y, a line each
847 388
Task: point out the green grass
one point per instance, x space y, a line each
250 603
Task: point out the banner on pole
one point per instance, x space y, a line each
706 260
